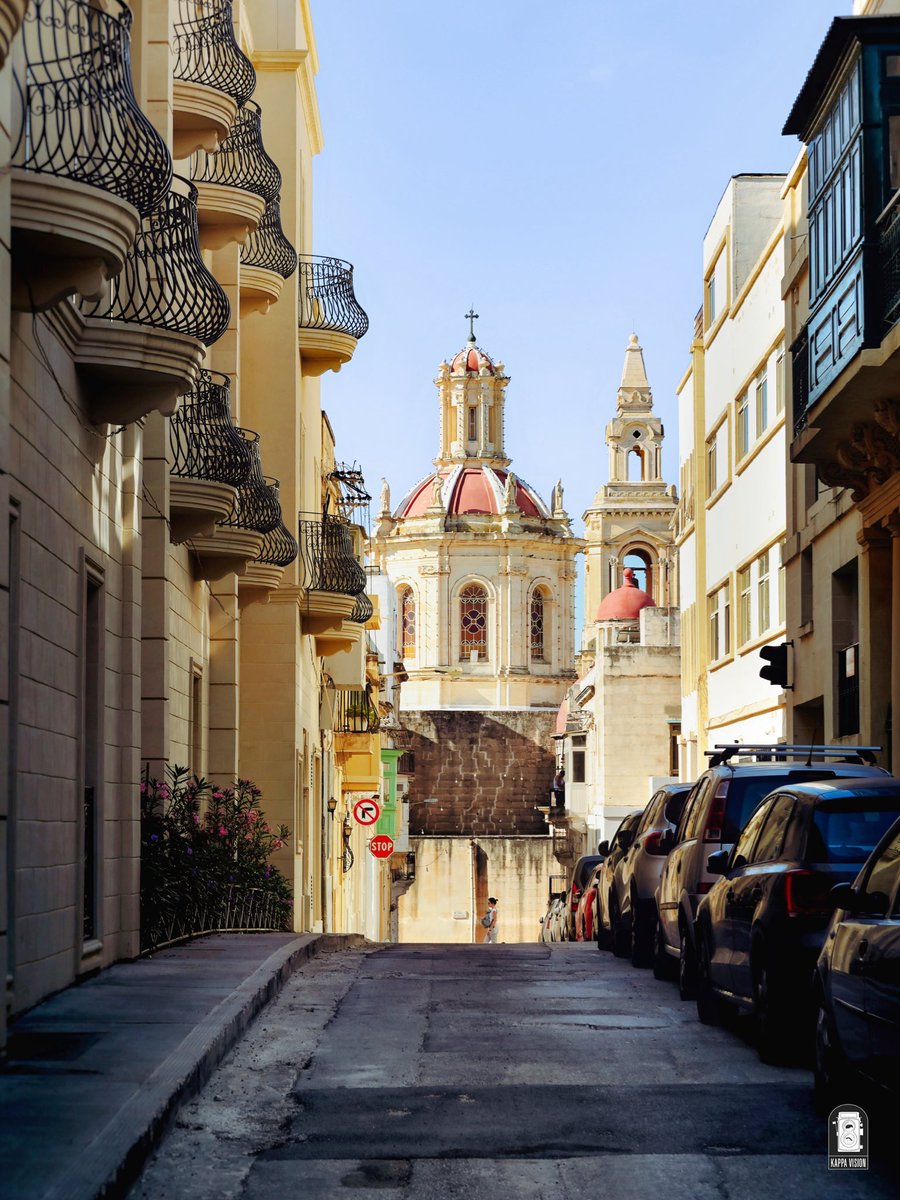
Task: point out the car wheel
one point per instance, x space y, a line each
687 967
831 1075
769 1018
641 935
602 934
621 940
708 1005
663 966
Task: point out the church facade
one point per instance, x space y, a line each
484 574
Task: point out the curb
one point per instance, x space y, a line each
112 1161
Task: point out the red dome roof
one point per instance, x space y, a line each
473 358
477 490
625 602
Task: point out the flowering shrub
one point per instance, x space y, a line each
205 859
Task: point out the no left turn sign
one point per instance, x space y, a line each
367 812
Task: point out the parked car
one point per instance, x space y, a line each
761 928
553 922
614 850
719 806
586 912
580 873
857 980
636 874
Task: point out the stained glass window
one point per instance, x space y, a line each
537 626
407 623
472 622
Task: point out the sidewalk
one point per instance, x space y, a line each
93 1074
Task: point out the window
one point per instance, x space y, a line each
716 290
537 626
711 309
763 606
92 712
473 623
743 425
720 623
779 382
712 479
195 701
473 419
762 402
771 840
579 747
781 592
744 624
675 749
882 876
407 623
743 848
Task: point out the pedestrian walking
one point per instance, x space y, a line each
489 921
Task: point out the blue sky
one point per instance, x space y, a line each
557 165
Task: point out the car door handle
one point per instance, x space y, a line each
756 894
729 895
862 948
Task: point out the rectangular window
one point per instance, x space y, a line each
720 623
579 746
711 310
781 593
762 402
745 627
779 383
196 714
711 476
472 435
715 295
763 606
743 425
806 586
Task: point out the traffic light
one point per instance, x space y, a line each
776 670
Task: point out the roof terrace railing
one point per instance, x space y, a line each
79 118
206 50
327 299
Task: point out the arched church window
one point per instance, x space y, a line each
635 464
407 623
536 626
473 604
639 562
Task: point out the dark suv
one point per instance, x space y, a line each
714 815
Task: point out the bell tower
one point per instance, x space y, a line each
472 393
628 524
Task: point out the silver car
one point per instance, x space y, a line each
637 875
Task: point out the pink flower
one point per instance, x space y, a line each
223 832
164 791
218 795
196 818
248 837
252 816
279 844
144 789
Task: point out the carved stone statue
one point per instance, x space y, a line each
437 498
556 499
385 496
509 492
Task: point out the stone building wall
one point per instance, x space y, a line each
487 770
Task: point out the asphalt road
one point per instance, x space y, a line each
521 1072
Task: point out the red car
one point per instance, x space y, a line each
580 873
586 910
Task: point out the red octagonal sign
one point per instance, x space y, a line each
382 846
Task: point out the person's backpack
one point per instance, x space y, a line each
488 919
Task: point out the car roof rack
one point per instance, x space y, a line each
723 752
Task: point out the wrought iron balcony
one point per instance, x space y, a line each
165 283
203 439
327 299
356 712
363 610
256 506
328 561
206 50
79 117
267 247
279 548
800 380
241 161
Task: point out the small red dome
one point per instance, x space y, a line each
472 358
625 602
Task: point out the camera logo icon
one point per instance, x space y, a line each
848 1139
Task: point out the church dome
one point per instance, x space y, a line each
625 602
475 489
471 359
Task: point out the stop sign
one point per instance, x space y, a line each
382 846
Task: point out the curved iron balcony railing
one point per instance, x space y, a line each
326 552
363 610
256 504
241 160
165 282
279 547
327 300
206 50
356 712
267 247
204 441
80 119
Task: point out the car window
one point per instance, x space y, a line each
770 841
691 818
848 832
650 813
882 875
746 791
743 851
675 807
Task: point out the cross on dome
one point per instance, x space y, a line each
472 317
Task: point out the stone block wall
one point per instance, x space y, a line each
486 771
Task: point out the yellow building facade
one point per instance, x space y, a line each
179 582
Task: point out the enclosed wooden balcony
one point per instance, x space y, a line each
212 75
79 185
330 319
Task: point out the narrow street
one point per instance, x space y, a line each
529 1071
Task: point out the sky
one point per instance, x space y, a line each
557 166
